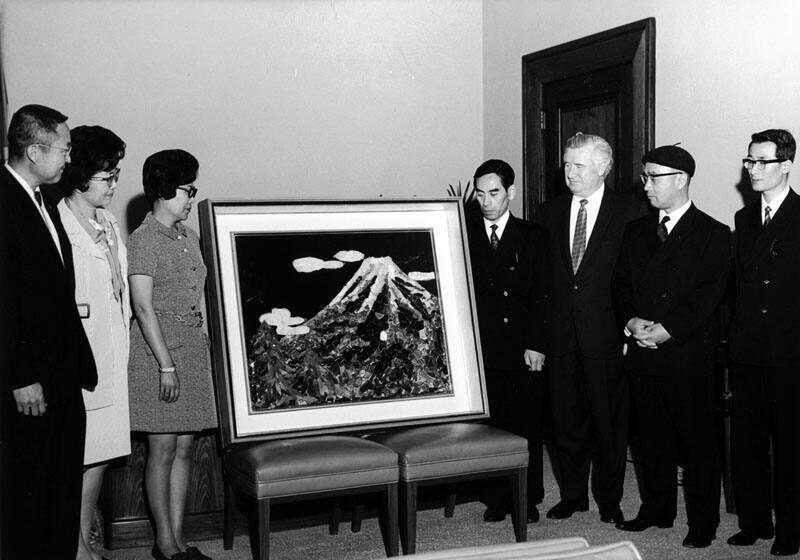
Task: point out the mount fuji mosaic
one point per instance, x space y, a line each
380 337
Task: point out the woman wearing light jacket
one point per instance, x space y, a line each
101 294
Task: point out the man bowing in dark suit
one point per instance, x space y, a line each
671 275
588 392
508 263
765 346
45 358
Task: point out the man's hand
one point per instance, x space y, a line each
654 335
30 400
636 326
534 360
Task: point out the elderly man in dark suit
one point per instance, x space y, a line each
588 392
672 273
765 345
46 358
508 263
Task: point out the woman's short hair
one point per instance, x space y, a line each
165 170
94 149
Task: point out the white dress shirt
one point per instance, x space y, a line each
501 225
674 216
592 209
775 204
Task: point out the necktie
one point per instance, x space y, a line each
38 196
661 230
493 239
579 241
767 217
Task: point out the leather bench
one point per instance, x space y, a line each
309 468
454 452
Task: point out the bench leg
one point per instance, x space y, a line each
358 515
334 519
263 529
518 481
389 521
408 517
228 517
450 504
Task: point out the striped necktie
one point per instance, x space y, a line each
579 241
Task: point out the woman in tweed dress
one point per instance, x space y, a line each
171 391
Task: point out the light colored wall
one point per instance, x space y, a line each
724 69
279 98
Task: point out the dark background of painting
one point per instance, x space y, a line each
267 278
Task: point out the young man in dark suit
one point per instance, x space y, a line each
508 265
765 346
672 273
45 358
588 392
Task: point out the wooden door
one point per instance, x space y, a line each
602 84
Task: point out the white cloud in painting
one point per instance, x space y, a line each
421 276
284 323
313 264
349 256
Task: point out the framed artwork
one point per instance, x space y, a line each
337 316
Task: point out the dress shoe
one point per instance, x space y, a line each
493 515
637 524
158 555
699 537
610 513
747 538
784 546
565 508
194 553
533 514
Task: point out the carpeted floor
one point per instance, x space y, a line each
467 528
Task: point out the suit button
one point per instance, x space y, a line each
763 311
511 268
505 293
664 295
575 287
766 282
505 319
185 250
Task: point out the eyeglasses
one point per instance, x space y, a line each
647 176
759 164
191 190
65 151
110 179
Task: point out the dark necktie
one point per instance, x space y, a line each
38 196
767 217
493 239
661 230
579 240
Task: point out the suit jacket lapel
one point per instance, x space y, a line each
683 229
604 215
765 236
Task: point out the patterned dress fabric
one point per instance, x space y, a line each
171 256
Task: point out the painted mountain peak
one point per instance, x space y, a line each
380 337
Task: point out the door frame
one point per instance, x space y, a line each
634 43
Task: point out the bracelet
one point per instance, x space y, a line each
170 369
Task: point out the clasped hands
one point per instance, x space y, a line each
534 360
648 334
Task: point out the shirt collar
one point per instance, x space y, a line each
775 204
500 222
594 199
675 215
172 233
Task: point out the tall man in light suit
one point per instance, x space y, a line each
45 358
508 269
672 273
765 346
588 392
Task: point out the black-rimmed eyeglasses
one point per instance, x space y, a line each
109 179
758 163
191 190
648 176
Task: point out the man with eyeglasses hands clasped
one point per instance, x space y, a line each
765 354
45 357
671 275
